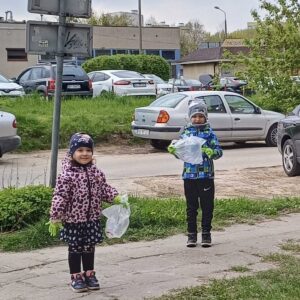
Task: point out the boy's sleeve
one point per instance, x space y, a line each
214 144
108 193
60 198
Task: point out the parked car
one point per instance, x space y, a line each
289 142
9 140
121 82
9 88
207 82
233 117
186 84
41 78
162 87
232 84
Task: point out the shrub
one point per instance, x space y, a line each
142 63
23 206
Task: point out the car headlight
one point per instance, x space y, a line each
20 89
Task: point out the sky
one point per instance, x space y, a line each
238 12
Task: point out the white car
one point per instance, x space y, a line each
121 82
162 87
233 117
10 89
9 140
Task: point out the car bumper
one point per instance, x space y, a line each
156 132
12 94
74 93
9 144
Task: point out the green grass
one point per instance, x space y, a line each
105 118
276 284
157 218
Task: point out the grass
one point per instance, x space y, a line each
103 117
157 218
276 284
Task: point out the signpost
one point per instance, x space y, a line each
59 39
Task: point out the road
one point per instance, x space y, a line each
33 168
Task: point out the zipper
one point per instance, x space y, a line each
90 194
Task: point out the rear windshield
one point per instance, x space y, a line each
72 71
3 79
128 74
170 100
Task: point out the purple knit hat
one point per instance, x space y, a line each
80 139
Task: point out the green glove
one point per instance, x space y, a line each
171 149
208 151
122 200
54 227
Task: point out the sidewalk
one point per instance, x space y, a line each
146 269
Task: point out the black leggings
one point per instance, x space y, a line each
78 254
195 189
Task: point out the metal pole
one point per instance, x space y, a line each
217 7
58 90
140 29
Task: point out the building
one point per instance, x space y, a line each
157 40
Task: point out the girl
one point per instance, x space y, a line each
76 204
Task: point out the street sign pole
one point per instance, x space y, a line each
58 91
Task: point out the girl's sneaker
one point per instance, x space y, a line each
92 281
78 284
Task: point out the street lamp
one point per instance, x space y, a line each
217 7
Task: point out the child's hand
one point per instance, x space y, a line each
171 149
208 151
122 200
54 227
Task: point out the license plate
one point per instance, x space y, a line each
139 84
73 86
142 131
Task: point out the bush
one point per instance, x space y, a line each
23 206
142 63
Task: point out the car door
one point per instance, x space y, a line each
24 81
99 80
247 119
218 116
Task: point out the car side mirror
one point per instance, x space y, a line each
13 79
257 110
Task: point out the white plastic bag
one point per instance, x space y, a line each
189 150
117 219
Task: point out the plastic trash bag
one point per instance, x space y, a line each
189 149
117 219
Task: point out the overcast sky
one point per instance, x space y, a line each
170 11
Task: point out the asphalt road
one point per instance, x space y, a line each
34 168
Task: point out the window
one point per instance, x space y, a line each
16 54
214 104
25 76
168 54
100 77
36 73
169 100
239 105
152 52
99 52
119 51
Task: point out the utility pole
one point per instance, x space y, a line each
140 29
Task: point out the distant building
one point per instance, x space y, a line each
251 25
133 16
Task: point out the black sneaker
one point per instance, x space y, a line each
192 240
78 284
92 281
206 239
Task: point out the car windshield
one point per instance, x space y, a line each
170 100
71 71
3 79
127 74
155 78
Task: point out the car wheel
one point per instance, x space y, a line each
271 139
160 144
289 159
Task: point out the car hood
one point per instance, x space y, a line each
164 85
273 113
9 85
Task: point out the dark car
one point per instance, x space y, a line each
207 82
186 84
41 79
232 84
288 142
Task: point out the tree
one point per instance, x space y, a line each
275 54
191 36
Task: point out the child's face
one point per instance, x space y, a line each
198 119
83 155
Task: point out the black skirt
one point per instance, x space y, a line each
82 234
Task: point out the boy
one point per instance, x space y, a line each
199 179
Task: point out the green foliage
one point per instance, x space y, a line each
103 117
274 55
24 206
152 64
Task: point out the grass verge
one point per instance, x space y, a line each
276 284
156 218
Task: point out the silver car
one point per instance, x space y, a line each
233 117
9 140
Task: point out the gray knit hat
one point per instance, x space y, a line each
197 107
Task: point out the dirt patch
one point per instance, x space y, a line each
254 183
